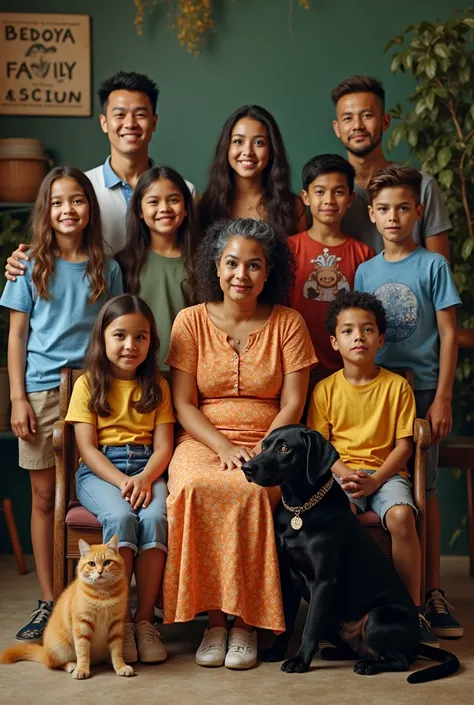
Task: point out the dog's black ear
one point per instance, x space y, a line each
320 455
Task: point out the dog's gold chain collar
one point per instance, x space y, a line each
297 522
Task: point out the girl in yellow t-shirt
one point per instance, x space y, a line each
123 418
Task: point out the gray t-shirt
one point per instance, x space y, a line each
435 218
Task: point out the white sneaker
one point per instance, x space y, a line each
212 648
150 647
242 649
130 653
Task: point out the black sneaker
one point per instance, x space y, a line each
33 631
438 613
427 636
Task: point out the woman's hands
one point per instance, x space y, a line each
137 490
233 457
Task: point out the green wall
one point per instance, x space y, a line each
253 57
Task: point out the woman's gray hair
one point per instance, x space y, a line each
258 230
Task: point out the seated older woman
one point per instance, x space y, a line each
240 366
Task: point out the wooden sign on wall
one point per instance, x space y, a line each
45 64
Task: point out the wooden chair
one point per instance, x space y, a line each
71 521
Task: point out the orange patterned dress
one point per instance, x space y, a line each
221 544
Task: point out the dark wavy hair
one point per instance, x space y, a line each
280 261
345 300
133 256
97 365
278 200
43 238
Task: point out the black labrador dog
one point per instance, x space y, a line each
355 598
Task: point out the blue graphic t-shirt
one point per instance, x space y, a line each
412 290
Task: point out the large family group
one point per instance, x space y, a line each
269 308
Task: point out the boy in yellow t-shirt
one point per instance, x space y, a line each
367 413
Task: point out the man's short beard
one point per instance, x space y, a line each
363 151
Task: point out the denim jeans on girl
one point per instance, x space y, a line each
138 529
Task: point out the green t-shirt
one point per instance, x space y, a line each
161 286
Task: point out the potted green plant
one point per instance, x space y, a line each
439 130
11 234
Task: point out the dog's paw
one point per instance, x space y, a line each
274 653
125 671
295 665
80 673
365 668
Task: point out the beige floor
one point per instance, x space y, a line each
180 681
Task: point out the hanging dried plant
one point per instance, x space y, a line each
192 19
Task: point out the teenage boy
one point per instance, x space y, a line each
367 413
417 290
326 259
360 123
128 117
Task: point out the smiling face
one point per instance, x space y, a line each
360 122
242 269
162 207
249 148
357 336
328 198
129 121
69 209
395 212
127 340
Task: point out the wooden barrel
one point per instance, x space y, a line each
23 166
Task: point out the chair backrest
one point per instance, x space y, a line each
71 461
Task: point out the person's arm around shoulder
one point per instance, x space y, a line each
14 266
23 420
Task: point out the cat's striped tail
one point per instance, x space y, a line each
25 652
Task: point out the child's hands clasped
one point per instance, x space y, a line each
23 420
137 490
360 484
440 418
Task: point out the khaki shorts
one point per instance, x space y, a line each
40 455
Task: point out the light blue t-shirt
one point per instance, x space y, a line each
60 327
412 290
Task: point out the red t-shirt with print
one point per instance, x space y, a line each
321 272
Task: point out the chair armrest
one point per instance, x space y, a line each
61 431
422 434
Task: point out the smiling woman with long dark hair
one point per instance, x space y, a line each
250 175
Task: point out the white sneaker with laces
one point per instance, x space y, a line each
242 649
150 647
212 648
130 653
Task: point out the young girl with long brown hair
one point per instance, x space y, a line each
157 262
123 417
52 310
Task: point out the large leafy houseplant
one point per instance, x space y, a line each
439 130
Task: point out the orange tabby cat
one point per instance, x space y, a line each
87 620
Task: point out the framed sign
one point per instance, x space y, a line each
45 64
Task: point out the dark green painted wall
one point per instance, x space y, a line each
253 57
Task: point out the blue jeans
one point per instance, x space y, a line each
138 529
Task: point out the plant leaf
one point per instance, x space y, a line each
467 248
441 50
445 177
431 67
412 136
444 157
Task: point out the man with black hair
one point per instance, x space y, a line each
128 117
360 123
